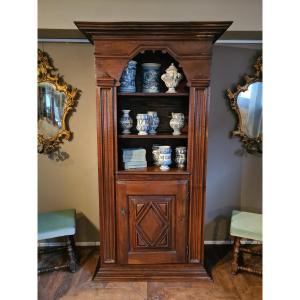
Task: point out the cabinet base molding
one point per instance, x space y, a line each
163 272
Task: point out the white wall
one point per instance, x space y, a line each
61 14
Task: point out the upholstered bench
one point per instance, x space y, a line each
245 225
59 224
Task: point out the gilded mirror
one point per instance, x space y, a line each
56 99
246 102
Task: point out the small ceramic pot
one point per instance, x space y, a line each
126 121
180 157
153 121
177 122
155 154
142 124
127 81
150 77
165 160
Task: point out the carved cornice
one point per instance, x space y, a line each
153 30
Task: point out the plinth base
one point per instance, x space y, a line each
163 272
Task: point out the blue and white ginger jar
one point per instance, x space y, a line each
150 77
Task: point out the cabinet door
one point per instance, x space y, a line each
151 222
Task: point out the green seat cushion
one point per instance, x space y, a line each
246 225
56 223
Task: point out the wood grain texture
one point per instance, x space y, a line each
155 30
189 46
151 223
79 285
106 167
197 165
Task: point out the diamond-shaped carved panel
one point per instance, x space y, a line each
151 224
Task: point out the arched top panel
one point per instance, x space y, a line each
193 59
164 59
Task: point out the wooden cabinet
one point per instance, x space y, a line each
151 221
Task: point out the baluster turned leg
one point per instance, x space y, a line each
71 253
236 254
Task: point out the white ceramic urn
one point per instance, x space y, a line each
171 78
177 122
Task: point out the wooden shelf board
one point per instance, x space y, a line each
153 170
154 136
154 94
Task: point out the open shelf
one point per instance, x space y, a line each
154 94
153 170
161 102
154 136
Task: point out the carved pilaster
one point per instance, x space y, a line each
106 93
197 163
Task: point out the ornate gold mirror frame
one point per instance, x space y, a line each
251 144
47 74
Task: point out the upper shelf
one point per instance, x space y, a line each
154 94
153 136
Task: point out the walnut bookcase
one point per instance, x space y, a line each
151 222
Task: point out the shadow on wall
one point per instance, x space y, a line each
219 227
86 231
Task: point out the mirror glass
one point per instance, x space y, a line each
50 109
250 106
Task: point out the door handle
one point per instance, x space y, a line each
123 211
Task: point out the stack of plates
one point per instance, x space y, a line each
134 158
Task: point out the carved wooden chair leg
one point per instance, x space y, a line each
71 253
240 256
74 249
236 254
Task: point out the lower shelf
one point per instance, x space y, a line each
153 170
163 272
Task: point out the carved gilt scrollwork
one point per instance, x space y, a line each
252 144
47 75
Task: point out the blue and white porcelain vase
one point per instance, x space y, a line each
153 121
155 154
180 156
126 121
142 124
165 160
150 77
127 81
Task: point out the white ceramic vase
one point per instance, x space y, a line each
177 122
142 124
